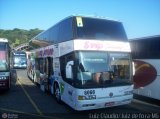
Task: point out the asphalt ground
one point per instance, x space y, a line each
25 100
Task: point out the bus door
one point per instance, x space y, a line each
48 70
66 65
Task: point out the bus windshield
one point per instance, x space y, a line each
100 29
19 60
103 69
3 57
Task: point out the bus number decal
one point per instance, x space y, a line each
89 92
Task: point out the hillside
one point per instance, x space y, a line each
19 36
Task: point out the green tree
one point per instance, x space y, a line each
18 36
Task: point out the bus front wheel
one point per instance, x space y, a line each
57 93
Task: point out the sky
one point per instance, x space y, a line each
140 18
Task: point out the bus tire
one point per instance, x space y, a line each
42 87
52 89
57 93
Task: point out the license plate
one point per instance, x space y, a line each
109 104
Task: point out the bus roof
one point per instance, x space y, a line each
83 16
80 27
95 17
3 40
144 38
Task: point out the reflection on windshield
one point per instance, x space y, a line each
120 65
3 65
90 59
103 68
20 60
3 62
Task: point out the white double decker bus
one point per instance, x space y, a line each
85 62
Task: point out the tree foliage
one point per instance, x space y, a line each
19 36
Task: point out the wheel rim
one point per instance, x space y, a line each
57 93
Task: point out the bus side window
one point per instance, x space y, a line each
62 67
37 63
46 64
41 65
50 66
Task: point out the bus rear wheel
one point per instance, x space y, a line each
57 93
42 87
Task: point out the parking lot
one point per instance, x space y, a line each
26 100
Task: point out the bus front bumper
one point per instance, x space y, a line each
103 103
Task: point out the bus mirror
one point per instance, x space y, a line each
133 68
69 73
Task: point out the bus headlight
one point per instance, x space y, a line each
3 78
87 97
